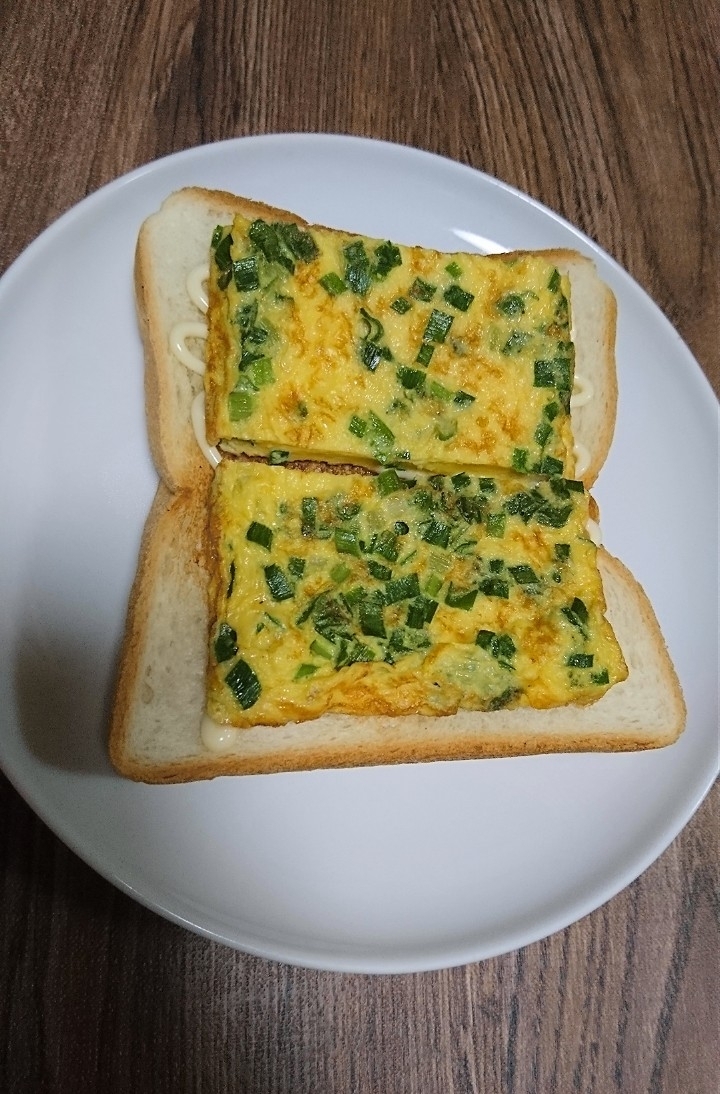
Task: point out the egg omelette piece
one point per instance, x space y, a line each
376 594
336 347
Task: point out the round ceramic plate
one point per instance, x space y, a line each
382 869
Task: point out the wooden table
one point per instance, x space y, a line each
605 111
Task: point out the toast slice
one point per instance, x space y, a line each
159 733
176 240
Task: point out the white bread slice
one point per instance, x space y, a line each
156 728
176 239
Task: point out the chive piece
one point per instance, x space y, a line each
495 586
516 342
278 456
357 426
225 643
266 239
542 434
460 481
340 572
425 353
524 575
322 648
554 516
439 391
245 274
296 566
495 525
401 528
308 511
457 598
371 355
381 437
551 411
261 534
388 257
453 269
386 546
520 459
240 405
437 326
371 620
388 482
503 646
305 670
575 485
222 254
562 552
244 684
216 236
416 614
298 241
347 542
463 399
422 290
551 466
279 586
511 304
401 305
437 533
377 570
487 485
433 585
602 677
458 298
577 613
484 639
496 565
446 429
411 378
231 581
333 284
357 269
554 282
402 588
544 376
579 660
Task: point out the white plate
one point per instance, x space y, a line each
386 869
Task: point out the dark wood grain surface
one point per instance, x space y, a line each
606 111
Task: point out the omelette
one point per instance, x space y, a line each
329 346
389 594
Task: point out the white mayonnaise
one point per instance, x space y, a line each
197 417
217 738
178 344
593 530
582 393
582 459
196 286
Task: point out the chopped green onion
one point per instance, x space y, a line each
381 437
371 620
524 575
464 599
437 326
577 613
401 305
575 485
550 466
411 378
495 525
511 305
484 639
357 269
402 588
487 485
422 290
388 256
495 586
433 585
377 570
520 459
551 411
347 542
463 399
562 552
542 434
298 241
420 612
244 684
516 342
357 426
277 456
437 533
425 353
554 516
308 510
260 533
579 660
554 282
245 274
340 572
446 429
305 670
279 586
225 643
386 546
296 566
322 648
240 405
453 269
333 284
439 391
388 482
216 236
460 481
223 257
602 677
401 528
458 298
496 565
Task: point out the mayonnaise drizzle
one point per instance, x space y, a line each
582 393
197 417
593 530
195 285
582 459
217 738
178 344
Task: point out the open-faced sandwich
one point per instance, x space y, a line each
373 541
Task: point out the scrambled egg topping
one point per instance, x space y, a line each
367 594
327 346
